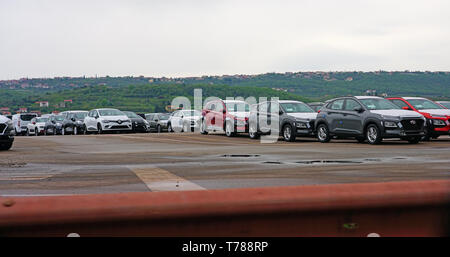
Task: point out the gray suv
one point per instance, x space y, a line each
295 119
6 133
368 118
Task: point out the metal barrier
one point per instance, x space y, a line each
415 208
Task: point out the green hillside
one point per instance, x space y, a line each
139 98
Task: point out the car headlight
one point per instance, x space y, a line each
390 124
301 125
438 123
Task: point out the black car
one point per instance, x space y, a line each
368 118
6 133
74 122
53 126
138 123
158 121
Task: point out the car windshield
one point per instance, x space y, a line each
27 117
59 118
296 107
238 107
191 113
41 119
163 116
378 104
110 112
132 115
445 104
80 115
421 104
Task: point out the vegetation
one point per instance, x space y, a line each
153 94
139 98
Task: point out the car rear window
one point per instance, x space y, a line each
27 117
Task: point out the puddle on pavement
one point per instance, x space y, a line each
328 162
240 155
273 162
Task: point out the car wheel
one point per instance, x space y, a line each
75 130
36 132
99 129
373 134
414 140
288 133
229 129
323 134
203 128
85 131
6 146
253 132
28 133
158 128
54 131
63 131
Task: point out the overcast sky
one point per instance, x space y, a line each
47 38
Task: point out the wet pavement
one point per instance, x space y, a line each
115 163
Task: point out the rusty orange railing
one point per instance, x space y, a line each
413 208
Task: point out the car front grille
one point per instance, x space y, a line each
412 124
119 127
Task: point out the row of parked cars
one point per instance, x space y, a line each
365 118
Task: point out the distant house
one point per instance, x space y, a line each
349 79
5 109
43 103
23 109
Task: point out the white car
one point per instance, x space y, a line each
20 122
107 119
184 121
36 126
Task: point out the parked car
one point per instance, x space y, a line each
158 121
184 121
74 122
446 104
106 119
139 124
316 105
368 118
438 117
295 119
20 122
230 116
53 126
36 126
6 133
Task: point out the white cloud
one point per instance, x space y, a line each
181 38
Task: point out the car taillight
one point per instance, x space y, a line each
318 111
34 123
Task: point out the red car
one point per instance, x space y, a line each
230 116
437 116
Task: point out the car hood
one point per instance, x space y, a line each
441 112
304 115
120 117
240 114
397 113
192 118
3 119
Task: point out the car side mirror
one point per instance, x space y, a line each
53 121
280 112
156 120
406 108
73 119
359 109
224 111
96 117
182 116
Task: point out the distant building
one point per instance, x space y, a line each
23 109
43 103
349 79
